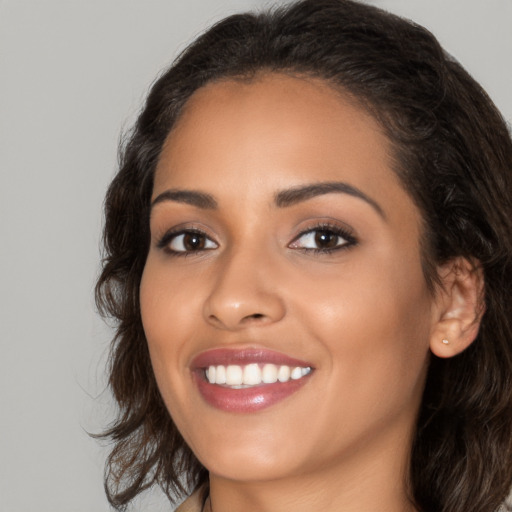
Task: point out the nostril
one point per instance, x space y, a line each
255 316
226 312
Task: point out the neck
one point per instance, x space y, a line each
358 485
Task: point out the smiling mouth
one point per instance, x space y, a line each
248 380
252 375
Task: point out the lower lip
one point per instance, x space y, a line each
247 400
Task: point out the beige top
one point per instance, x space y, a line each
192 503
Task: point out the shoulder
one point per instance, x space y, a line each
193 503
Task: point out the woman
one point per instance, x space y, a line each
309 255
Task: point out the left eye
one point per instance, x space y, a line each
190 241
321 240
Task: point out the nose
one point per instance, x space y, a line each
244 293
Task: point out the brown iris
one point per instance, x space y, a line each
193 241
326 239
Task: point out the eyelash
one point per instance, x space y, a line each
170 236
346 235
333 229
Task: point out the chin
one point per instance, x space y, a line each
243 453
251 465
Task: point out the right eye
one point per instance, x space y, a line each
184 242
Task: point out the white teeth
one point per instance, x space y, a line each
283 374
252 374
296 373
234 375
220 375
269 374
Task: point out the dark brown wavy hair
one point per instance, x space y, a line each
453 153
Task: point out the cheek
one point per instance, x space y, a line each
364 295
166 311
373 319
169 302
374 330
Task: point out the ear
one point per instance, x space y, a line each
459 307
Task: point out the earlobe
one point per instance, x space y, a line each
459 307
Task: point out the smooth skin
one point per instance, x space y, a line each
252 273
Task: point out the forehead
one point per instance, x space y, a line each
276 131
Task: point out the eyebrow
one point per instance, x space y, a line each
192 197
282 199
296 195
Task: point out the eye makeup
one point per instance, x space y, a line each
320 238
327 236
185 241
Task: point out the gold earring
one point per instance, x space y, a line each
445 341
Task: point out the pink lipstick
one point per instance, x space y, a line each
247 380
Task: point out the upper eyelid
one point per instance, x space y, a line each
158 231
327 226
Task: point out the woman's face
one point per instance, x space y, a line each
283 243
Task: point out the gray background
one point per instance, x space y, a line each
73 74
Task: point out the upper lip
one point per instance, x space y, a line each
227 356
